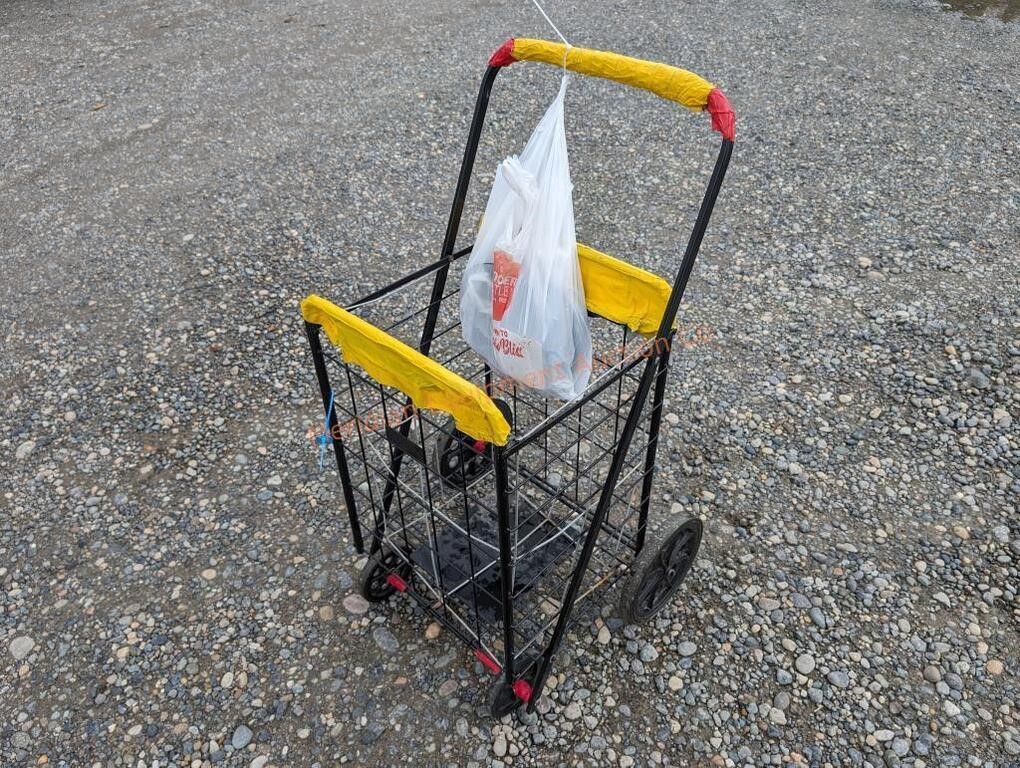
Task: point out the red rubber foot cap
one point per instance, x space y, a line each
396 582
522 690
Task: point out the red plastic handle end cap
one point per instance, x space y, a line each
503 57
723 118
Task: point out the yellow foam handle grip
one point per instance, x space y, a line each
669 82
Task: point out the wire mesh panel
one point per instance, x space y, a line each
431 494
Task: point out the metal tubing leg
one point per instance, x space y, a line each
449 241
505 564
665 332
319 360
594 528
653 442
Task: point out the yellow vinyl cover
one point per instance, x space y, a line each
393 363
621 292
669 82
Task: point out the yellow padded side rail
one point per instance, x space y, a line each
621 292
395 364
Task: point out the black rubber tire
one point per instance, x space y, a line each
659 570
372 584
502 699
455 461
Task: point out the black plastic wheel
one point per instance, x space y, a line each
502 699
659 570
372 583
457 457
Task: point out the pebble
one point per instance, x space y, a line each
21 646
805 663
648 653
356 604
499 746
768 604
977 379
385 639
838 678
818 617
686 648
242 735
25 450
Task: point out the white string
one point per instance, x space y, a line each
545 16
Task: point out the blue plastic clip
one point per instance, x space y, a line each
323 439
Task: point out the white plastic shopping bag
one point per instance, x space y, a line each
521 302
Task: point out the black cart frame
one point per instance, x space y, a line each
500 542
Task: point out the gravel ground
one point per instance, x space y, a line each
175 568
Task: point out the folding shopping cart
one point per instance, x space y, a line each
495 509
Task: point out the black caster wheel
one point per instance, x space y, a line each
372 583
659 570
502 699
458 458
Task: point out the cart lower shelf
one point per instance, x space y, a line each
479 585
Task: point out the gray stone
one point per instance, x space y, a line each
977 379
356 604
242 737
499 746
385 639
838 678
901 746
932 673
21 646
818 617
805 663
24 450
